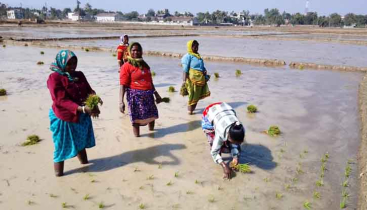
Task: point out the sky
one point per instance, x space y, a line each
322 7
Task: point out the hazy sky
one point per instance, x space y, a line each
323 7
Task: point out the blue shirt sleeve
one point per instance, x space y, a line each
185 61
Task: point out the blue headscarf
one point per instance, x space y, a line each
61 60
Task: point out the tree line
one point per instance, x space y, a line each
269 17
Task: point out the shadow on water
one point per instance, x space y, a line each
234 105
163 85
146 155
258 155
175 129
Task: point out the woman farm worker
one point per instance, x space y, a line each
122 50
71 124
136 81
224 133
194 76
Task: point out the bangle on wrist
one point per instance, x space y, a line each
83 108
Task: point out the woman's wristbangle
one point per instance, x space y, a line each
83 108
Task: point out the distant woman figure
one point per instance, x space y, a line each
122 51
71 124
136 81
224 132
194 76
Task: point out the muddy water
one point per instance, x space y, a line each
316 111
290 51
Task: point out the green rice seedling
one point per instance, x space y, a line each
113 54
299 170
166 100
211 199
343 203
171 89
274 131
320 183
151 177
86 50
345 183
42 53
101 205
348 171
2 92
142 206
350 161
301 67
322 174
4 45
251 109
316 195
176 206
197 182
287 186
169 183
295 180
323 160
282 150
238 72
345 194
243 168
86 197
176 174
153 73
220 188
327 156
307 205
64 205
93 181
31 140
160 166
305 151
301 155
183 90
278 195
30 202
136 169
323 167
93 101
141 188
53 196
216 75
189 192
25 45
266 180
40 63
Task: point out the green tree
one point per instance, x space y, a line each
298 19
323 21
273 17
65 12
131 15
335 20
151 13
311 18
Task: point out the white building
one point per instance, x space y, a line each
108 17
186 21
15 14
73 16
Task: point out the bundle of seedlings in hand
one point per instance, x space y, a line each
42 53
243 168
252 109
31 140
238 73
153 73
274 131
2 92
183 90
171 89
216 75
166 100
93 101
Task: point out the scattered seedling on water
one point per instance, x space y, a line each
31 140
343 203
166 100
295 180
287 186
2 92
327 155
86 197
345 183
316 195
101 205
320 183
274 131
42 53
176 174
345 194
136 169
266 180
211 199
220 188
4 45
350 161
160 166
299 170
189 192
348 170
169 183
40 63
301 67
171 89
86 50
307 205
197 182
279 195
216 75
31 202
64 205
282 150
151 177
251 109
238 73
141 206
153 73
114 55
93 101
93 181
53 196
141 188
25 45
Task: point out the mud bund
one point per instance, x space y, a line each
362 155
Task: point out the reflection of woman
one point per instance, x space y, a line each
71 124
136 81
195 75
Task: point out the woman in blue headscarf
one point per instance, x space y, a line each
71 123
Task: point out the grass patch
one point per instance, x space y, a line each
31 140
251 109
2 92
40 63
238 72
274 131
171 89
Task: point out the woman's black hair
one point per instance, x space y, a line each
195 42
237 132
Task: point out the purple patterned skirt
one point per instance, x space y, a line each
141 105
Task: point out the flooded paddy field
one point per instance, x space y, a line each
171 168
